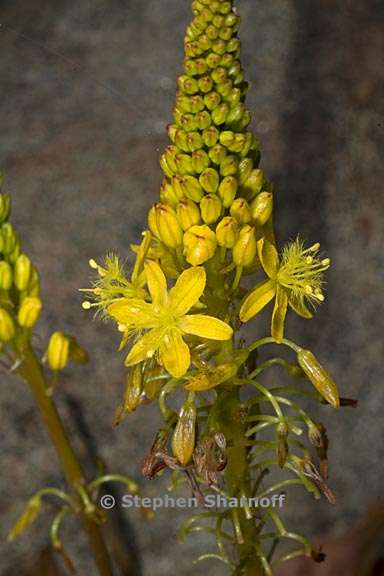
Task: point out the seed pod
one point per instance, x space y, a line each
58 351
199 244
210 207
212 100
227 232
29 311
209 180
167 225
188 213
227 190
262 207
244 251
189 186
253 184
319 377
5 207
134 389
22 272
241 211
6 277
183 440
282 443
7 326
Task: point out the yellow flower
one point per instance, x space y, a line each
165 319
294 279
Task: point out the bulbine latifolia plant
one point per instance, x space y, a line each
207 265
20 308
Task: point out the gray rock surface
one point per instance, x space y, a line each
87 90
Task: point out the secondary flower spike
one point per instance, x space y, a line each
165 320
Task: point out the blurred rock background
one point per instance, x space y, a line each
87 90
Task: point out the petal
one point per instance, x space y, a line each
187 290
278 315
133 312
268 256
205 327
157 283
145 347
299 307
174 353
257 299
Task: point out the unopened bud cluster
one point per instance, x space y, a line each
214 194
20 305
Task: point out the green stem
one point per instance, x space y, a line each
31 371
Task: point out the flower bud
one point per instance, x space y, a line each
227 232
164 166
219 114
184 164
181 140
203 120
188 186
244 251
229 166
241 211
6 277
219 74
217 154
211 377
224 89
219 47
7 326
253 184
210 207
235 115
22 272
200 161
188 85
245 169
183 440
188 213
194 142
205 84
5 207
9 238
167 225
169 194
262 207
212 100
199 244
210 136
197 103
58 351
13 256
227 190
213 60
134 389
152 224
319 377
29 311
209 180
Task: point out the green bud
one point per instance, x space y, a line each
219 47
227 137
188 122
253 184
235 115
188 85
244 251
217 153
210 207
58 351
225 8
227 232
205 43
227 190
5 207
29 311
229 166
167 225
225 33
213 60
181 140
238 143
212 33
227 60
233 45
183 440
232 20
205 84
6 278
234 97
219 74
247 144
245 169
203 120
188 213
189 187
224 89
194 142
190 67
209 180
197 103
22 272
212 100
201 66
7 327
210 136
192 49
218 21
219 114
183 102
169 194
200 161
241 211
184 164
262 207
199 244
235 69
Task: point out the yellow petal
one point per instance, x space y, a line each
299 307
279 314
268 256
205 327
145 347
174 353
187 290
157 284
133 312
257 299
